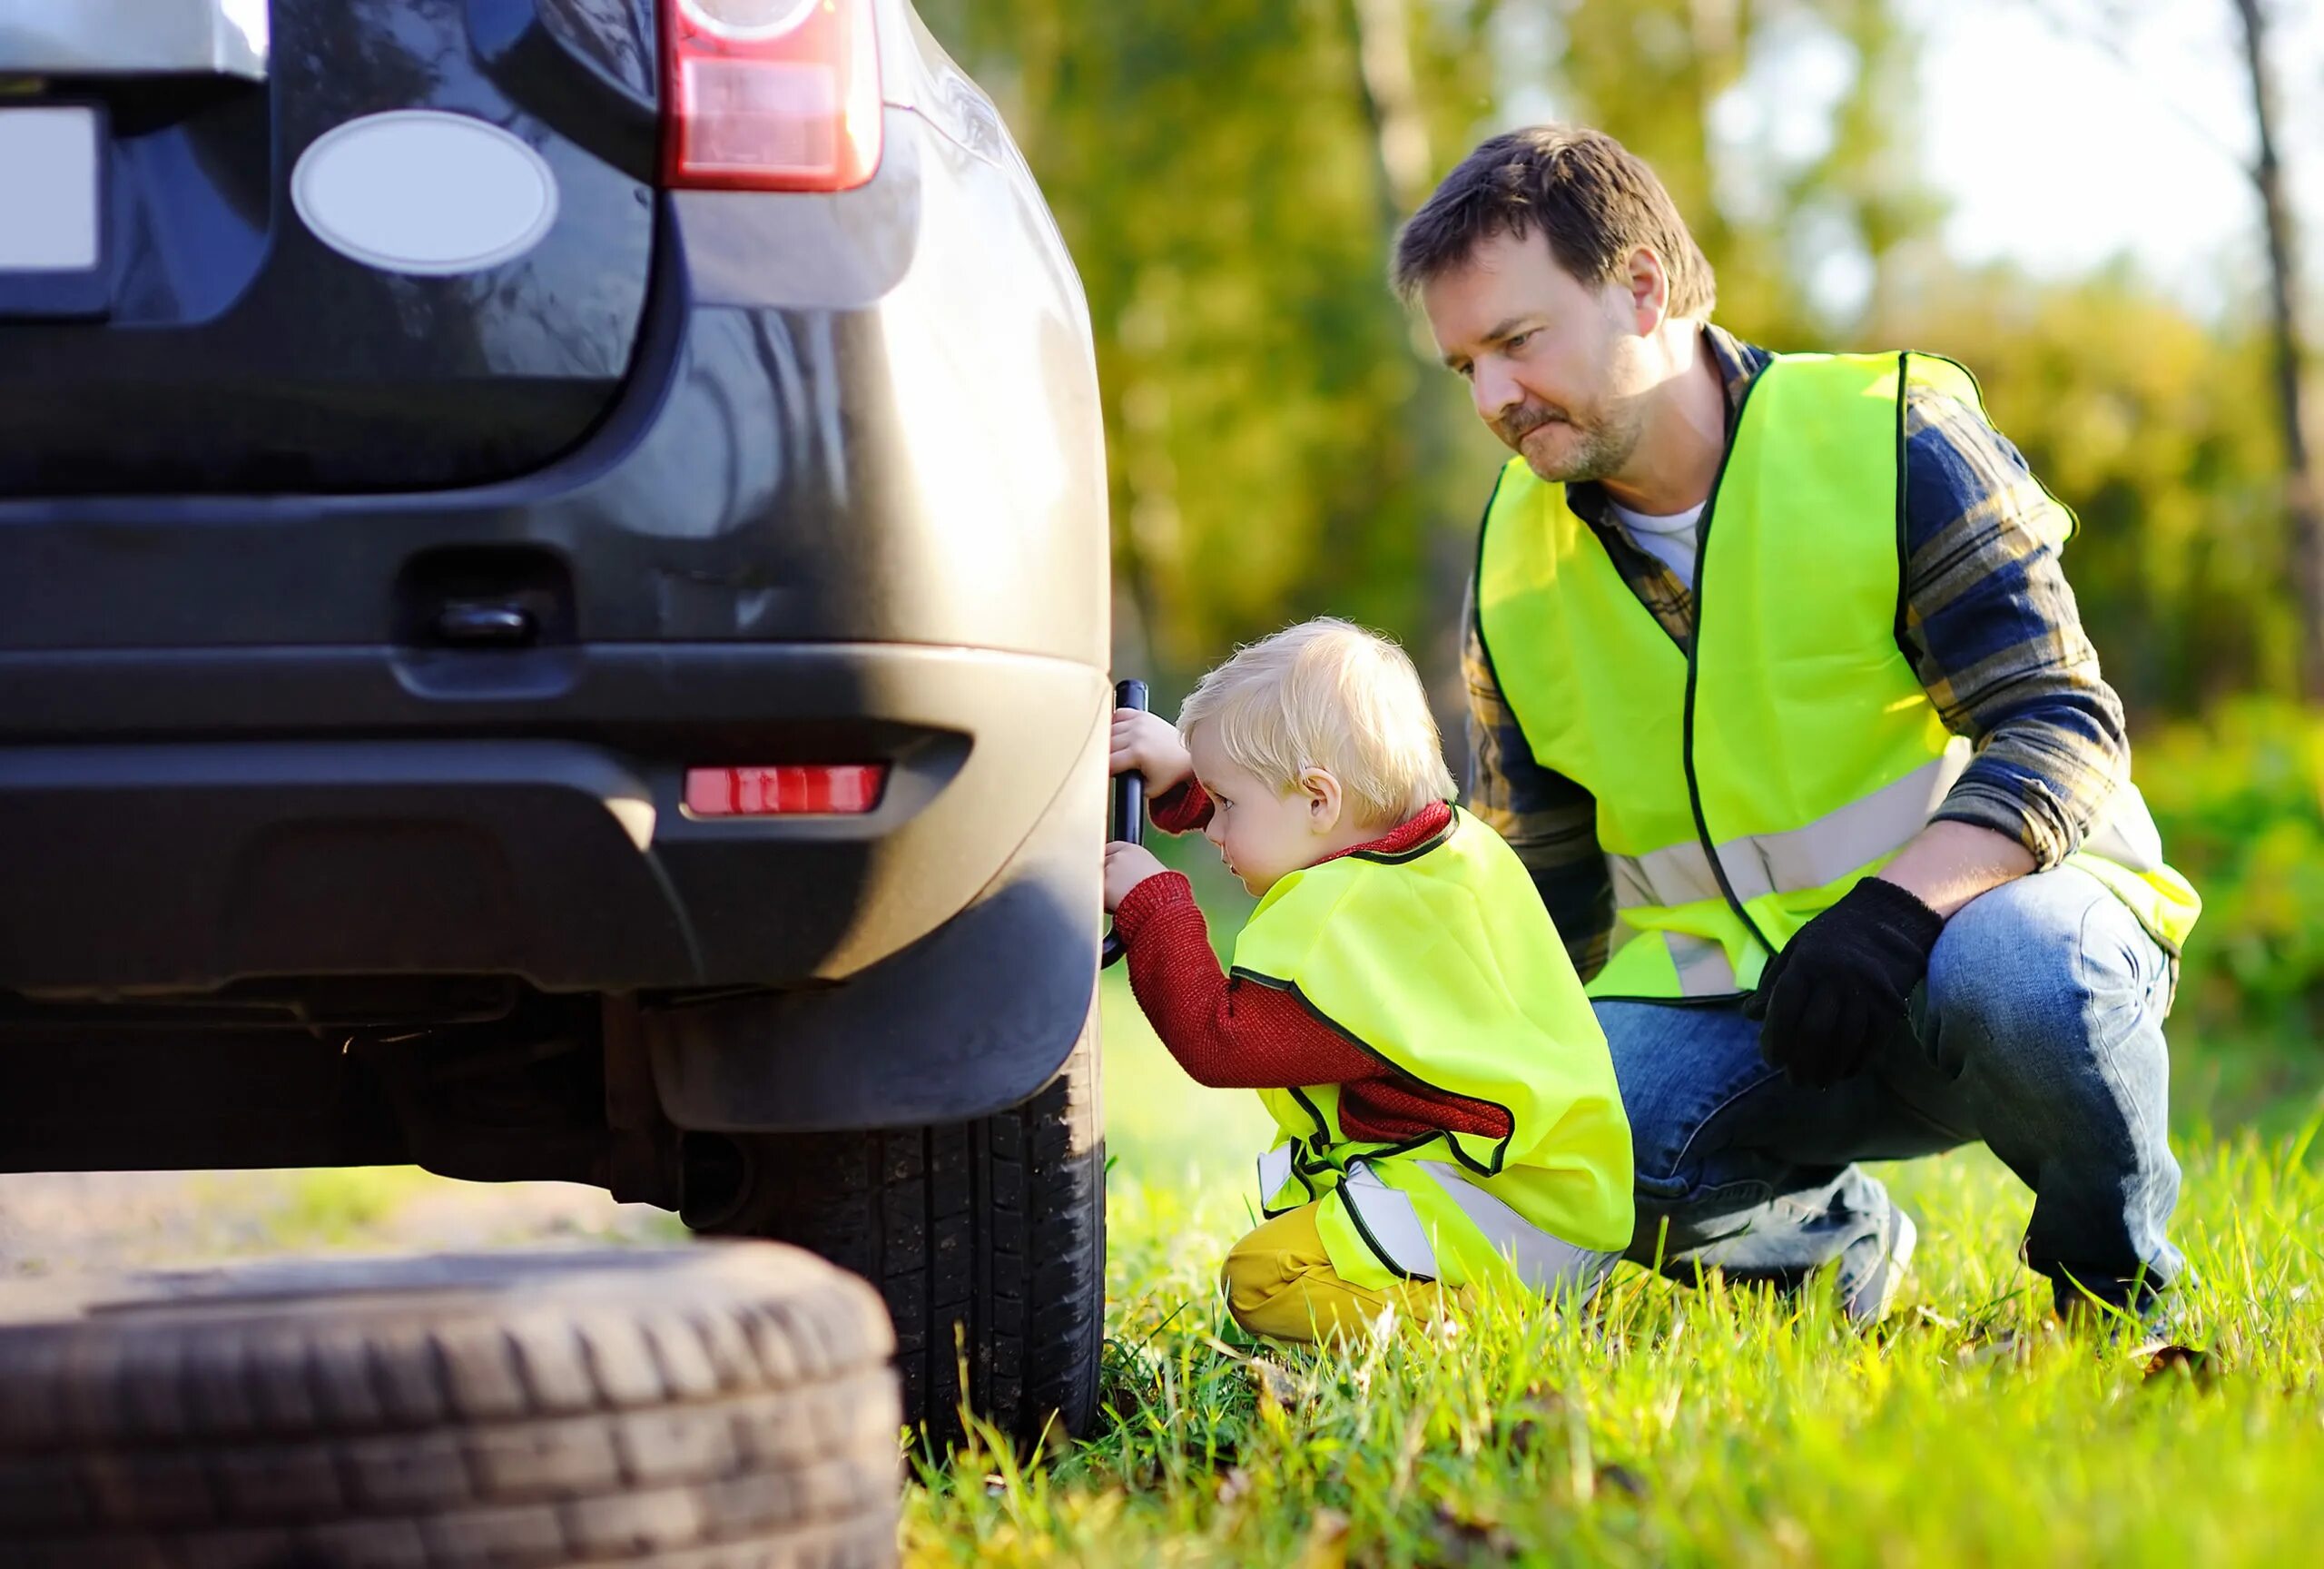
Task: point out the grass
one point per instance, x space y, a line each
341 1206
1676 1427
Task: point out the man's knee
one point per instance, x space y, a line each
1676 1067
2029 971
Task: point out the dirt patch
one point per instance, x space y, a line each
50 1223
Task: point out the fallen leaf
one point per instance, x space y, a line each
2012 1346
1542 1407
2181 1362
1462 1540
1276 1385
1327 1546
1623 1479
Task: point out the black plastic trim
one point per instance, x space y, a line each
970 1019
1713 1002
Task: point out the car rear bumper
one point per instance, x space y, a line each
405 813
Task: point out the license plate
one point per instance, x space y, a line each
50 180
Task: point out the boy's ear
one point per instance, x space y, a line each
1325 801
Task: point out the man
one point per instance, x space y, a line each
1776 687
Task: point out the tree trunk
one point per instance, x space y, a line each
1406 164
2304 502
1392 103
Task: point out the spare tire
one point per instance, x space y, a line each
686 1408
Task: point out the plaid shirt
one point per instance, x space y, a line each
1990 627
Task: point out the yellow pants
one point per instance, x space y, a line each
1280 1283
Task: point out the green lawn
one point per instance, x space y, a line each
1675 1427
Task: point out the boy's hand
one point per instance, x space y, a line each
1148 744
1126 867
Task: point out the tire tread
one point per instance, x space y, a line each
985 1239
754 1422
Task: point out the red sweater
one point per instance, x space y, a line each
1232 1036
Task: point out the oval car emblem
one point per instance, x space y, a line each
420 190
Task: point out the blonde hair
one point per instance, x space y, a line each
1329 694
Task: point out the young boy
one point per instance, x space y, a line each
1446 1109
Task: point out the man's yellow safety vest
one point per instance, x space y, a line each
1745 783
1441 962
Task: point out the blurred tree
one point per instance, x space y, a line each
2139 417
2112 25
2304 501
1218 175
1230 175
1784 131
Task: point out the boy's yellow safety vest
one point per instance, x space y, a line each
1745 783
1441 962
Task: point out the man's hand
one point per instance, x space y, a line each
1126 867
1841 983
1148 744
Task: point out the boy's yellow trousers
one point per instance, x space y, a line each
1280 1284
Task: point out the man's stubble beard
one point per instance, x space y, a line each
1603 452
1606 445
1609 430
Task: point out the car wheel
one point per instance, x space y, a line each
987 1240
678 1408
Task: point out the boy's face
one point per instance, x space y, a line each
1261 834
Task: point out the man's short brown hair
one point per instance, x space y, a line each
1592 198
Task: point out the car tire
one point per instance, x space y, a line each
677 1408
986 1238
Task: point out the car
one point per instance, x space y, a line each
554 624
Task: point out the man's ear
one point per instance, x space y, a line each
1326 800
1647 283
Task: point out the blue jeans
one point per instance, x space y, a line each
2038 1032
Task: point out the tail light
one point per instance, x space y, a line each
770 95
786 790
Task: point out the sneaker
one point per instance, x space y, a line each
1872 1269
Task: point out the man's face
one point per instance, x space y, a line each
1552 363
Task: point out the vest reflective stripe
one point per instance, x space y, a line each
1274 1173
2129 837
1549 1264
1673 963
1744 783
1799 859
1702 966
1444 966
1390 1224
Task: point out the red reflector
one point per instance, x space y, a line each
770 95
789 789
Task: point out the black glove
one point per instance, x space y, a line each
1842 983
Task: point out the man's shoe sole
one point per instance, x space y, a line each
1893 1265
